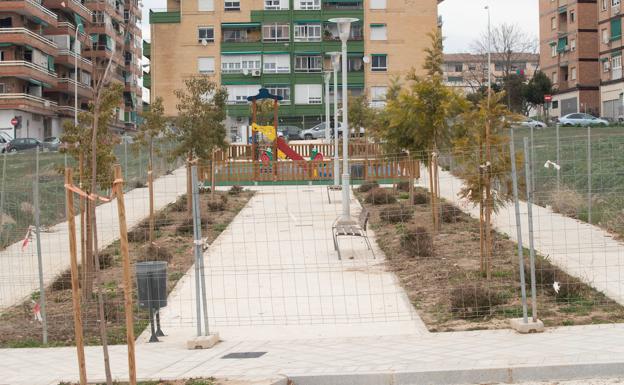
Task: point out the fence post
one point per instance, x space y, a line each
589 176
42 296
528 169
127 278
125 170
558 160
514 177
71 222
199 258
2 194
532 154
150 188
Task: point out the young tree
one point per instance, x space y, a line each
538 86
514 86
487 183
360 113
199 125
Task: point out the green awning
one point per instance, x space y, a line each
50 63
6 44
383 54
35 82
617 53
46 85
616 29
306 53
342 1
109 42
39 21
561 45
356 54
242 53
240 25
238 83
563 9
94 37
378 25
307 21
276 53
604 59
79 23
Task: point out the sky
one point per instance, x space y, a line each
464 20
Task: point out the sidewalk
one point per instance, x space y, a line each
582 250
19 269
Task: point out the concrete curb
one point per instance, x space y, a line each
469 376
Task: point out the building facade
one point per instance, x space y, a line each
466 72
610 37
569 54
41 46
283 45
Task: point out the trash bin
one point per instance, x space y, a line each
357 171
152 284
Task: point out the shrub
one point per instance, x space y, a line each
396 214
471 301
62 281
203 189
417 242
380 196
137 183
403 186
235 190
153 252
140 233
107 259
567 202
180 204
450 213
217 203
421 196
546 275
162 220
368 186
185 228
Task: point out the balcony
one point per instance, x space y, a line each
147 80
27 102
68 86
147 49
26 70
343 4
74 6
31 9
67 28
26 37
163 16
68 59
68 110
616 73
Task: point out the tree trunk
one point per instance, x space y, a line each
189 187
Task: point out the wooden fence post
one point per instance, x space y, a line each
127 278
412 168
150 187
71 221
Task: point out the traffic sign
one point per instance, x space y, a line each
547 98
14 121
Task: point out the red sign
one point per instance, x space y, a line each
547 98
14 121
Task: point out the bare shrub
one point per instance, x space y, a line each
417 242
153 252
140 232
368 186
235 190
567 202
217 203
403 186
472 301
396 214
180 204
62 281
421 196
380 196
450 213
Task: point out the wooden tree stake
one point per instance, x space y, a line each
150 187
73 254
127 277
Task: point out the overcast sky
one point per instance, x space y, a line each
464 20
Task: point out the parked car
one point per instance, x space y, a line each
52 143
532 123
289 132
22 144
580 119
317 132
3 143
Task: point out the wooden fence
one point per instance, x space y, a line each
357 149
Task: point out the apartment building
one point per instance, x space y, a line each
283 45
40 46
466 72
569 53
610 67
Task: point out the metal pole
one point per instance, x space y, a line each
42 297
76 80
558 160
489 52
346 215
532 158
196 247
336 142
514 176
528 170
326 100
589 176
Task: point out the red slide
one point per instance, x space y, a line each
290 153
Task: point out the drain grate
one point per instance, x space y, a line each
244 355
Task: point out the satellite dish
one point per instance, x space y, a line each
204 42
366 59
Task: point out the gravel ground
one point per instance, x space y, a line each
595 381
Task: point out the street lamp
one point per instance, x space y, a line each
489 48
327 122
335 59
344 29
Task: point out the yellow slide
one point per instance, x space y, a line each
269 133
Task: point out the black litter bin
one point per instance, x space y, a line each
357 171
152 284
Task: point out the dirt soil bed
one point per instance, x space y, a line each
442 277
173 243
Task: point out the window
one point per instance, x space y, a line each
205 65
126 15
378 93
231 64
605 36
553 23
572 16
205 33
308 93
472 67
606 65
276 64
283 91
6 22
379 63
458 67
604 4
355 64
378 32
573 45
554 78
308 63
573 73
234 35
616 67
555 104
232 5
205 5
498 66
553 50
308 32
237 94
276 32
275 4
2 88
308 4
378 4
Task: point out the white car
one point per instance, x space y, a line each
580 119
532 123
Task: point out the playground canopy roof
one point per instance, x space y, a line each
264 94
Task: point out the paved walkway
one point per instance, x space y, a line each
582 250
19 269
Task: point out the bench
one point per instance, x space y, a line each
357 229
332 188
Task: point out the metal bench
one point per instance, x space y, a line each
332 188
353 230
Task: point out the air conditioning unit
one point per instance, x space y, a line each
605 40
256 73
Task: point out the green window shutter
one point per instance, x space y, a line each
51 63
94 37
561 45
79 23
616 29
109 42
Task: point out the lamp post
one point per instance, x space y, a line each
335 58
76 77
344 29
489 48
327 122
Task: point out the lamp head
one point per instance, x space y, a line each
344 26
335 59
